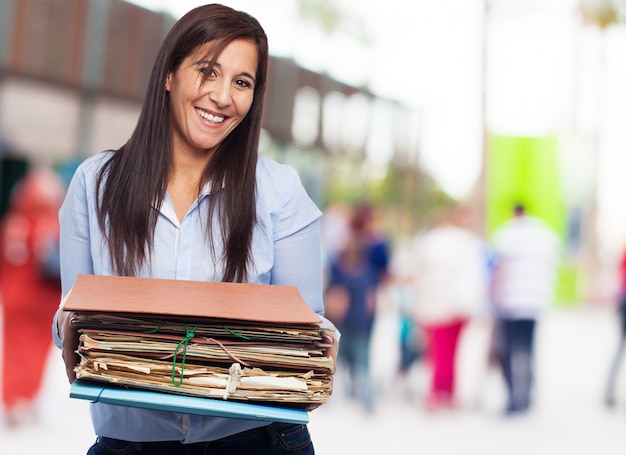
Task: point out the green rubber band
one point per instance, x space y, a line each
155 330
236 334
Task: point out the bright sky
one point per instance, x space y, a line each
543 77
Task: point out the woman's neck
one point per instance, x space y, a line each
184 180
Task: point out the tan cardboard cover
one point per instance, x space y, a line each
245 302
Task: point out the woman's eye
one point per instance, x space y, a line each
243 83
207 71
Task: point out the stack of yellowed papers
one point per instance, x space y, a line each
241 342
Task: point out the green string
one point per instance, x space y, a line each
236 334
155 330
232 332
184 342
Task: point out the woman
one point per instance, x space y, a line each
188 198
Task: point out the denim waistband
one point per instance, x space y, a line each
253 432
276 437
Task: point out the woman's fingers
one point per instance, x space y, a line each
69 341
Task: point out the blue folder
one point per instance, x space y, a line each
104 393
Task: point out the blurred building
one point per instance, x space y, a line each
73 74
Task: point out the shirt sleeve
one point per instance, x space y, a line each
74 238
298 261
74 218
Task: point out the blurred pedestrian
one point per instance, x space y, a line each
451 284
619 353
30 288
351 305
355 276
364 224
410 337
526 254
401 292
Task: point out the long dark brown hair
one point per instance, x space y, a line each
135 178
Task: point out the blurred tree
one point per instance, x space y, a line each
330 18
408 196
602 13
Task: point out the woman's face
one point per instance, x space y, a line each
208 102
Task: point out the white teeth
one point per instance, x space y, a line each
210 117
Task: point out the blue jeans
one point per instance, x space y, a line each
518 337
273 439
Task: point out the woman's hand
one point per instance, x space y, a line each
69 342
331 346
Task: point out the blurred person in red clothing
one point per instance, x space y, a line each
619 354
29 288
450 288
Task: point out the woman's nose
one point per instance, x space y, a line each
220 93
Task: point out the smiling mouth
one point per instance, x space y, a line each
210 117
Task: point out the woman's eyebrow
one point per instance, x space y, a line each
243 73
246 74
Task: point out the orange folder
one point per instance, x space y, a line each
239 301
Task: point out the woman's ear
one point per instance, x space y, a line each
168 81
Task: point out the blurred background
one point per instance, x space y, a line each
411 106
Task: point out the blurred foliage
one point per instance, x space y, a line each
603 13
327 15
321 12
408 197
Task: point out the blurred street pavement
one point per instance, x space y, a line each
574 350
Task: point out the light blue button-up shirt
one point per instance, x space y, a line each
286 250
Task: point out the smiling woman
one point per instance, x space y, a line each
209 98
187 197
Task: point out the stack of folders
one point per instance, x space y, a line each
231 341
